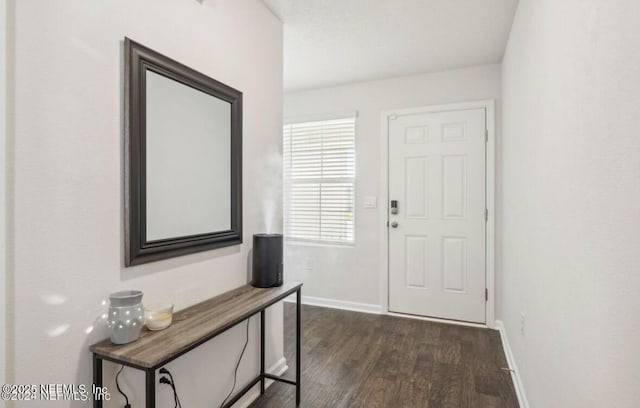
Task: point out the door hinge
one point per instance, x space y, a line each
387 224
486 294
486 214
486 135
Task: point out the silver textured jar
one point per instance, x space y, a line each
126 316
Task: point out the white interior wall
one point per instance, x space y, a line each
68 182
352 274
571 199
3 207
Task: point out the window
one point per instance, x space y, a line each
319 171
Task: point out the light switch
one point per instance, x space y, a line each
369 202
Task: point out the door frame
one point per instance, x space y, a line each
489 106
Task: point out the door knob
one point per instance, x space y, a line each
394 225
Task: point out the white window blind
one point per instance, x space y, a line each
319 171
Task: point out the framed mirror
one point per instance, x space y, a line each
183 148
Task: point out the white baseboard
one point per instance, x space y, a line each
371 308
515 374
277 369
438 320
338 304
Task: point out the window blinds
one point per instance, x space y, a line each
319 171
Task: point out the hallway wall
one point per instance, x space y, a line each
571 201
352 273
69 240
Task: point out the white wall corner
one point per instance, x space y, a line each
515 374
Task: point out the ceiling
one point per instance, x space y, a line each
329 42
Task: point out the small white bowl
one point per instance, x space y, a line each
158 317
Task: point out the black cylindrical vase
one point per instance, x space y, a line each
267 268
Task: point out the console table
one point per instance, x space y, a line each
194 326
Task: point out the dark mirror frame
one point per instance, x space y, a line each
139 59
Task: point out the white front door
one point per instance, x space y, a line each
437 176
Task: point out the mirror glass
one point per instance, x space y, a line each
188 160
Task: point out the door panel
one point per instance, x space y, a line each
437 251
416 247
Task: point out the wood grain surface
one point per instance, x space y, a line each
194 325
353 360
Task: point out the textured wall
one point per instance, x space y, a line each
571 201
69 181
353 273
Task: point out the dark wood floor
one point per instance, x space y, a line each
362 360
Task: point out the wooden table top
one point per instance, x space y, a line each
193 326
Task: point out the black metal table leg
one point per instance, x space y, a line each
150 388
97 380
298 343
262 352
